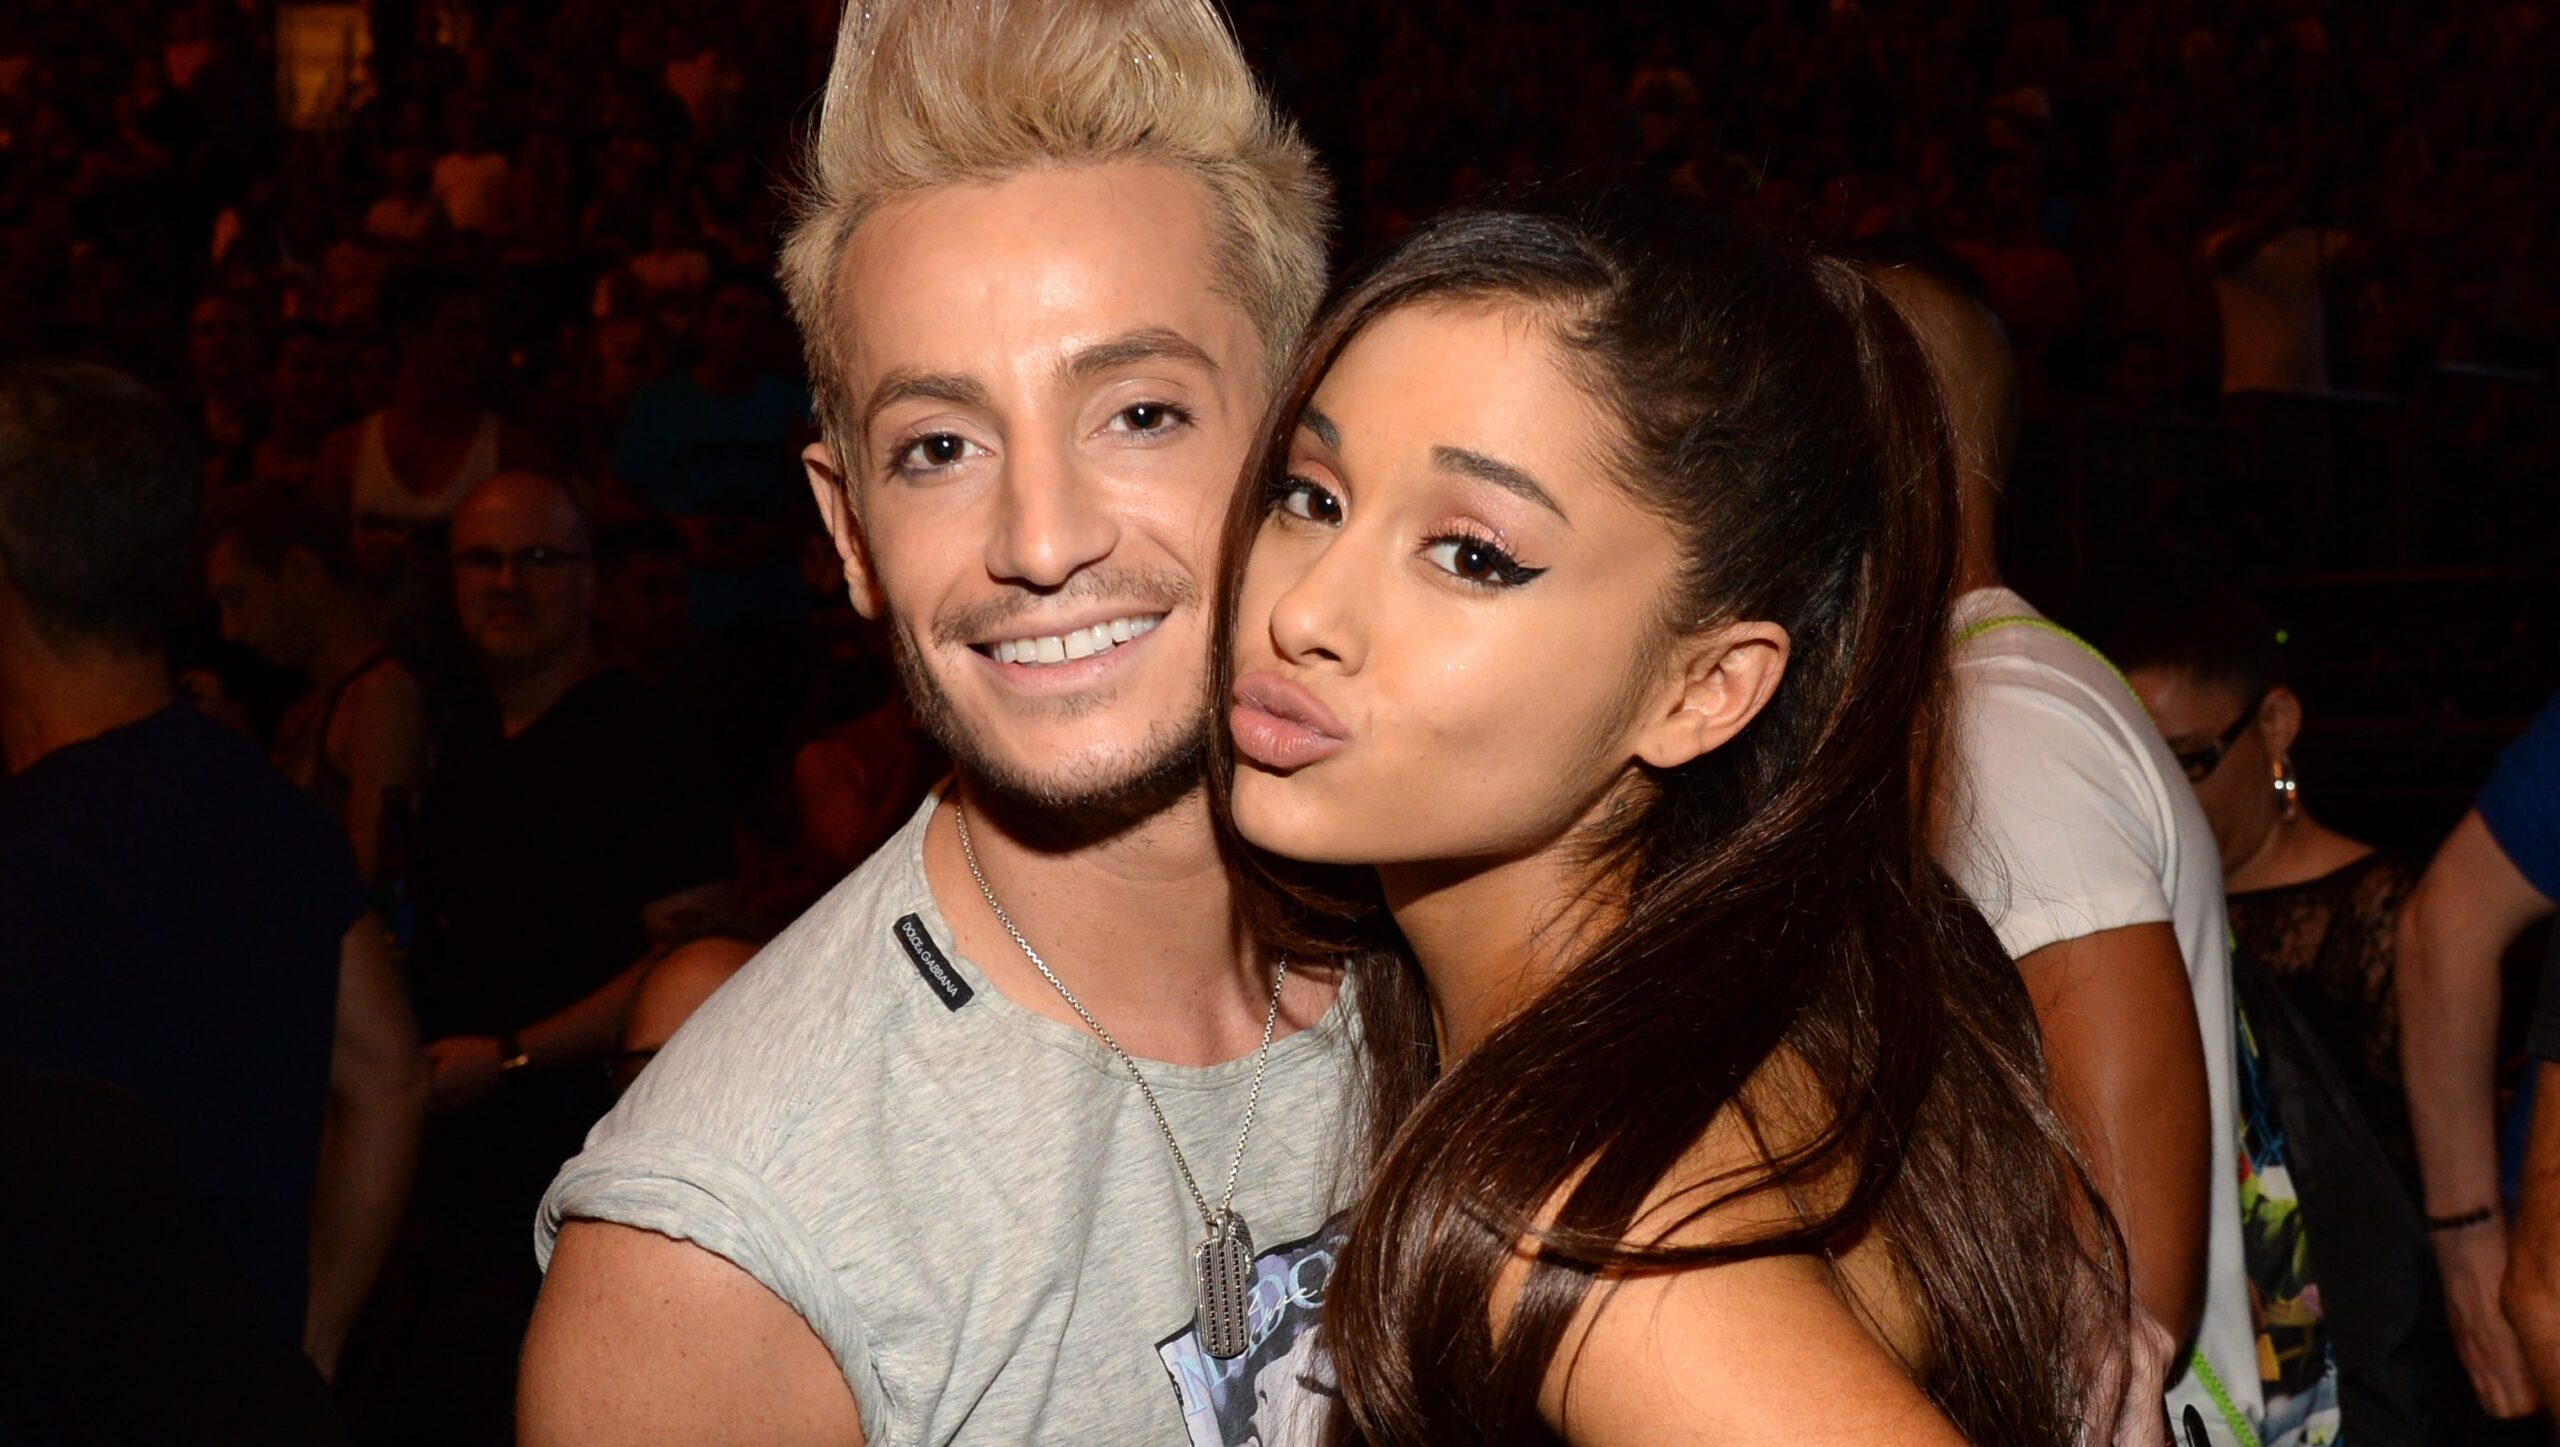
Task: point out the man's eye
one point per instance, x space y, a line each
1150 417
1477 561
931 454
1302 499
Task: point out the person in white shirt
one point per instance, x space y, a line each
2072 828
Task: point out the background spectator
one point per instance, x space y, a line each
2057 820
2496 875
716 449
565 817
180 923
2315 906
128 1318
280 574
400 471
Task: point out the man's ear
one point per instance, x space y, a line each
1715 683
835 504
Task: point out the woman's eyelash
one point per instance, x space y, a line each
1321 505
1493 567
1473 558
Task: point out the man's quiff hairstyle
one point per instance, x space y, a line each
929 93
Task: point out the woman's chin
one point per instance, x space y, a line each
1274 816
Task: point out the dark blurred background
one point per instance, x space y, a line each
213 193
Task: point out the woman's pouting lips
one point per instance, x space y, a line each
1280 725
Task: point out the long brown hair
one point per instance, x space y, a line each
1781 900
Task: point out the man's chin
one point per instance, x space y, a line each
506 656
1067 778
1099 790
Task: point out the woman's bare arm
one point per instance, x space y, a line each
1756 1352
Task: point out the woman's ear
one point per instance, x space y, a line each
2280 721
835 505
1719 681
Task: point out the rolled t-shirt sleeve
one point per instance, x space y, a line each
658 1180
2521 802
2051 836
691 1152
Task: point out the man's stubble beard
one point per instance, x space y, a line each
1160 772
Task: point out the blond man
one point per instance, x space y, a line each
1016 1136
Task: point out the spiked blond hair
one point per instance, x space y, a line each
928 93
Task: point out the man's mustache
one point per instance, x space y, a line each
1147 591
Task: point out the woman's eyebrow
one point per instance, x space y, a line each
1321 425
1493 470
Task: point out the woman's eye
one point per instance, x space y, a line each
1149 417
931 453
1478 561
1304 500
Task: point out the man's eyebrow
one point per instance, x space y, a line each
1493 470
1321 425
901 386
1147 344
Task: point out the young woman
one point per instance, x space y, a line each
1584 639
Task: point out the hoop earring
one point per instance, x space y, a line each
2288 790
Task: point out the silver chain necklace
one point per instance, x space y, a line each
1222 1264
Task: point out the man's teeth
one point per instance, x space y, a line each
1077 643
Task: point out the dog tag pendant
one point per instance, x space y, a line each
1224 1266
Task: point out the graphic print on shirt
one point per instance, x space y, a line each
2296 1358
1279 1391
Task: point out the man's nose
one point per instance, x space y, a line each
1052 522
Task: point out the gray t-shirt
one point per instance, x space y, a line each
969 1202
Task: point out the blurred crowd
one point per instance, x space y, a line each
2274 269
508 559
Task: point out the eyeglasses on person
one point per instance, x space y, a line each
2199 763
492 561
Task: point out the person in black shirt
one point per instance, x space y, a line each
563 817
564 814
2315 906
127 1317
176 919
